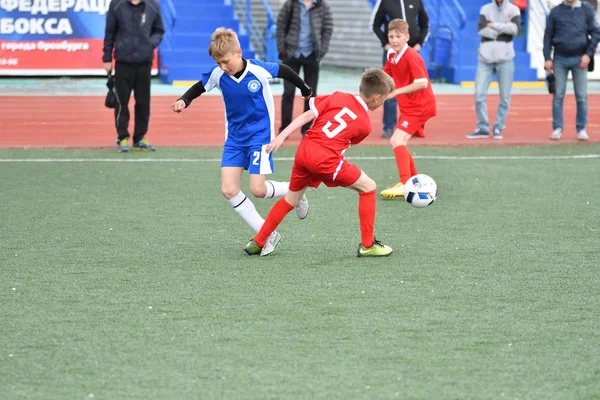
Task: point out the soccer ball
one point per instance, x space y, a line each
420 191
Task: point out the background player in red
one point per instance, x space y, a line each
415 100
341 120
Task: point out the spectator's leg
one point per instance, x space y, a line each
124 80
483 78
390 111
289 90
141 94
311 77
561 72
506 73
580 83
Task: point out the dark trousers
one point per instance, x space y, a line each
390 108
134 77
310 65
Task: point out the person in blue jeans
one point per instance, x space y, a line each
499 23
572 33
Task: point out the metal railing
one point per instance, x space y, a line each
263 42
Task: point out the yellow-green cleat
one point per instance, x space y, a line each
143 145
377 250
393 191
252 248
123 145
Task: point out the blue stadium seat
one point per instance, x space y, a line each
441 50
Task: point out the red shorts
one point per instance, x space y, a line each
413 125
315 164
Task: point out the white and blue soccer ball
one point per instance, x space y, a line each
420 191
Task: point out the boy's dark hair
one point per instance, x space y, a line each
376 81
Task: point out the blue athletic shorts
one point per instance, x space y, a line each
252 158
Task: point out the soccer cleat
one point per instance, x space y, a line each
582 135
143 145
478 134
378 249
498 134
123 145
252 248
556 134
271 243
393 191
302 207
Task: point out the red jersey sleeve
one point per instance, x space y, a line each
318 104
417 68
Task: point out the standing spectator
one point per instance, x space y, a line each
134 29
413 12
304 29
572 33
499 23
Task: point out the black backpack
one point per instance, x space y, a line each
111 96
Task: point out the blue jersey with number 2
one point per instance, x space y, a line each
250 113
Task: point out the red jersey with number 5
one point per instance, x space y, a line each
408 67
341 120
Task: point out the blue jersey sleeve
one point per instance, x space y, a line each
271 68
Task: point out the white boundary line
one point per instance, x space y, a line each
211 160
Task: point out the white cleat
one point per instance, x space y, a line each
582 135
556 134
271 243
302 207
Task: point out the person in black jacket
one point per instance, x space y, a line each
134 28
413 12
304 29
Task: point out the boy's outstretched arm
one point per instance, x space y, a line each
291 128
418 84
187 98
289 75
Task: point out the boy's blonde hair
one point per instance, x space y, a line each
376 81
399 25
222 42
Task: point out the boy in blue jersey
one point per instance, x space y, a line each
250 124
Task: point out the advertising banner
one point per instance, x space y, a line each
53 37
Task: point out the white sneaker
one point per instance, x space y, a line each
271 243
582 135
302 207
556 134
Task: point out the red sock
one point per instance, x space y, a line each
413 168
403 163
367 203
276 215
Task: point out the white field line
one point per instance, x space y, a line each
215 160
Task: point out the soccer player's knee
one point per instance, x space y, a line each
399 139
229 191
370 185
259 191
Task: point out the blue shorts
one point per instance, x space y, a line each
252 158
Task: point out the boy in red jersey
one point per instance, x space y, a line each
341 120
415 100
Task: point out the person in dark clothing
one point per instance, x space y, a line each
572 32
304 29
413 12
134 28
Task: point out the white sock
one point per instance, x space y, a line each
245 209
276 189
